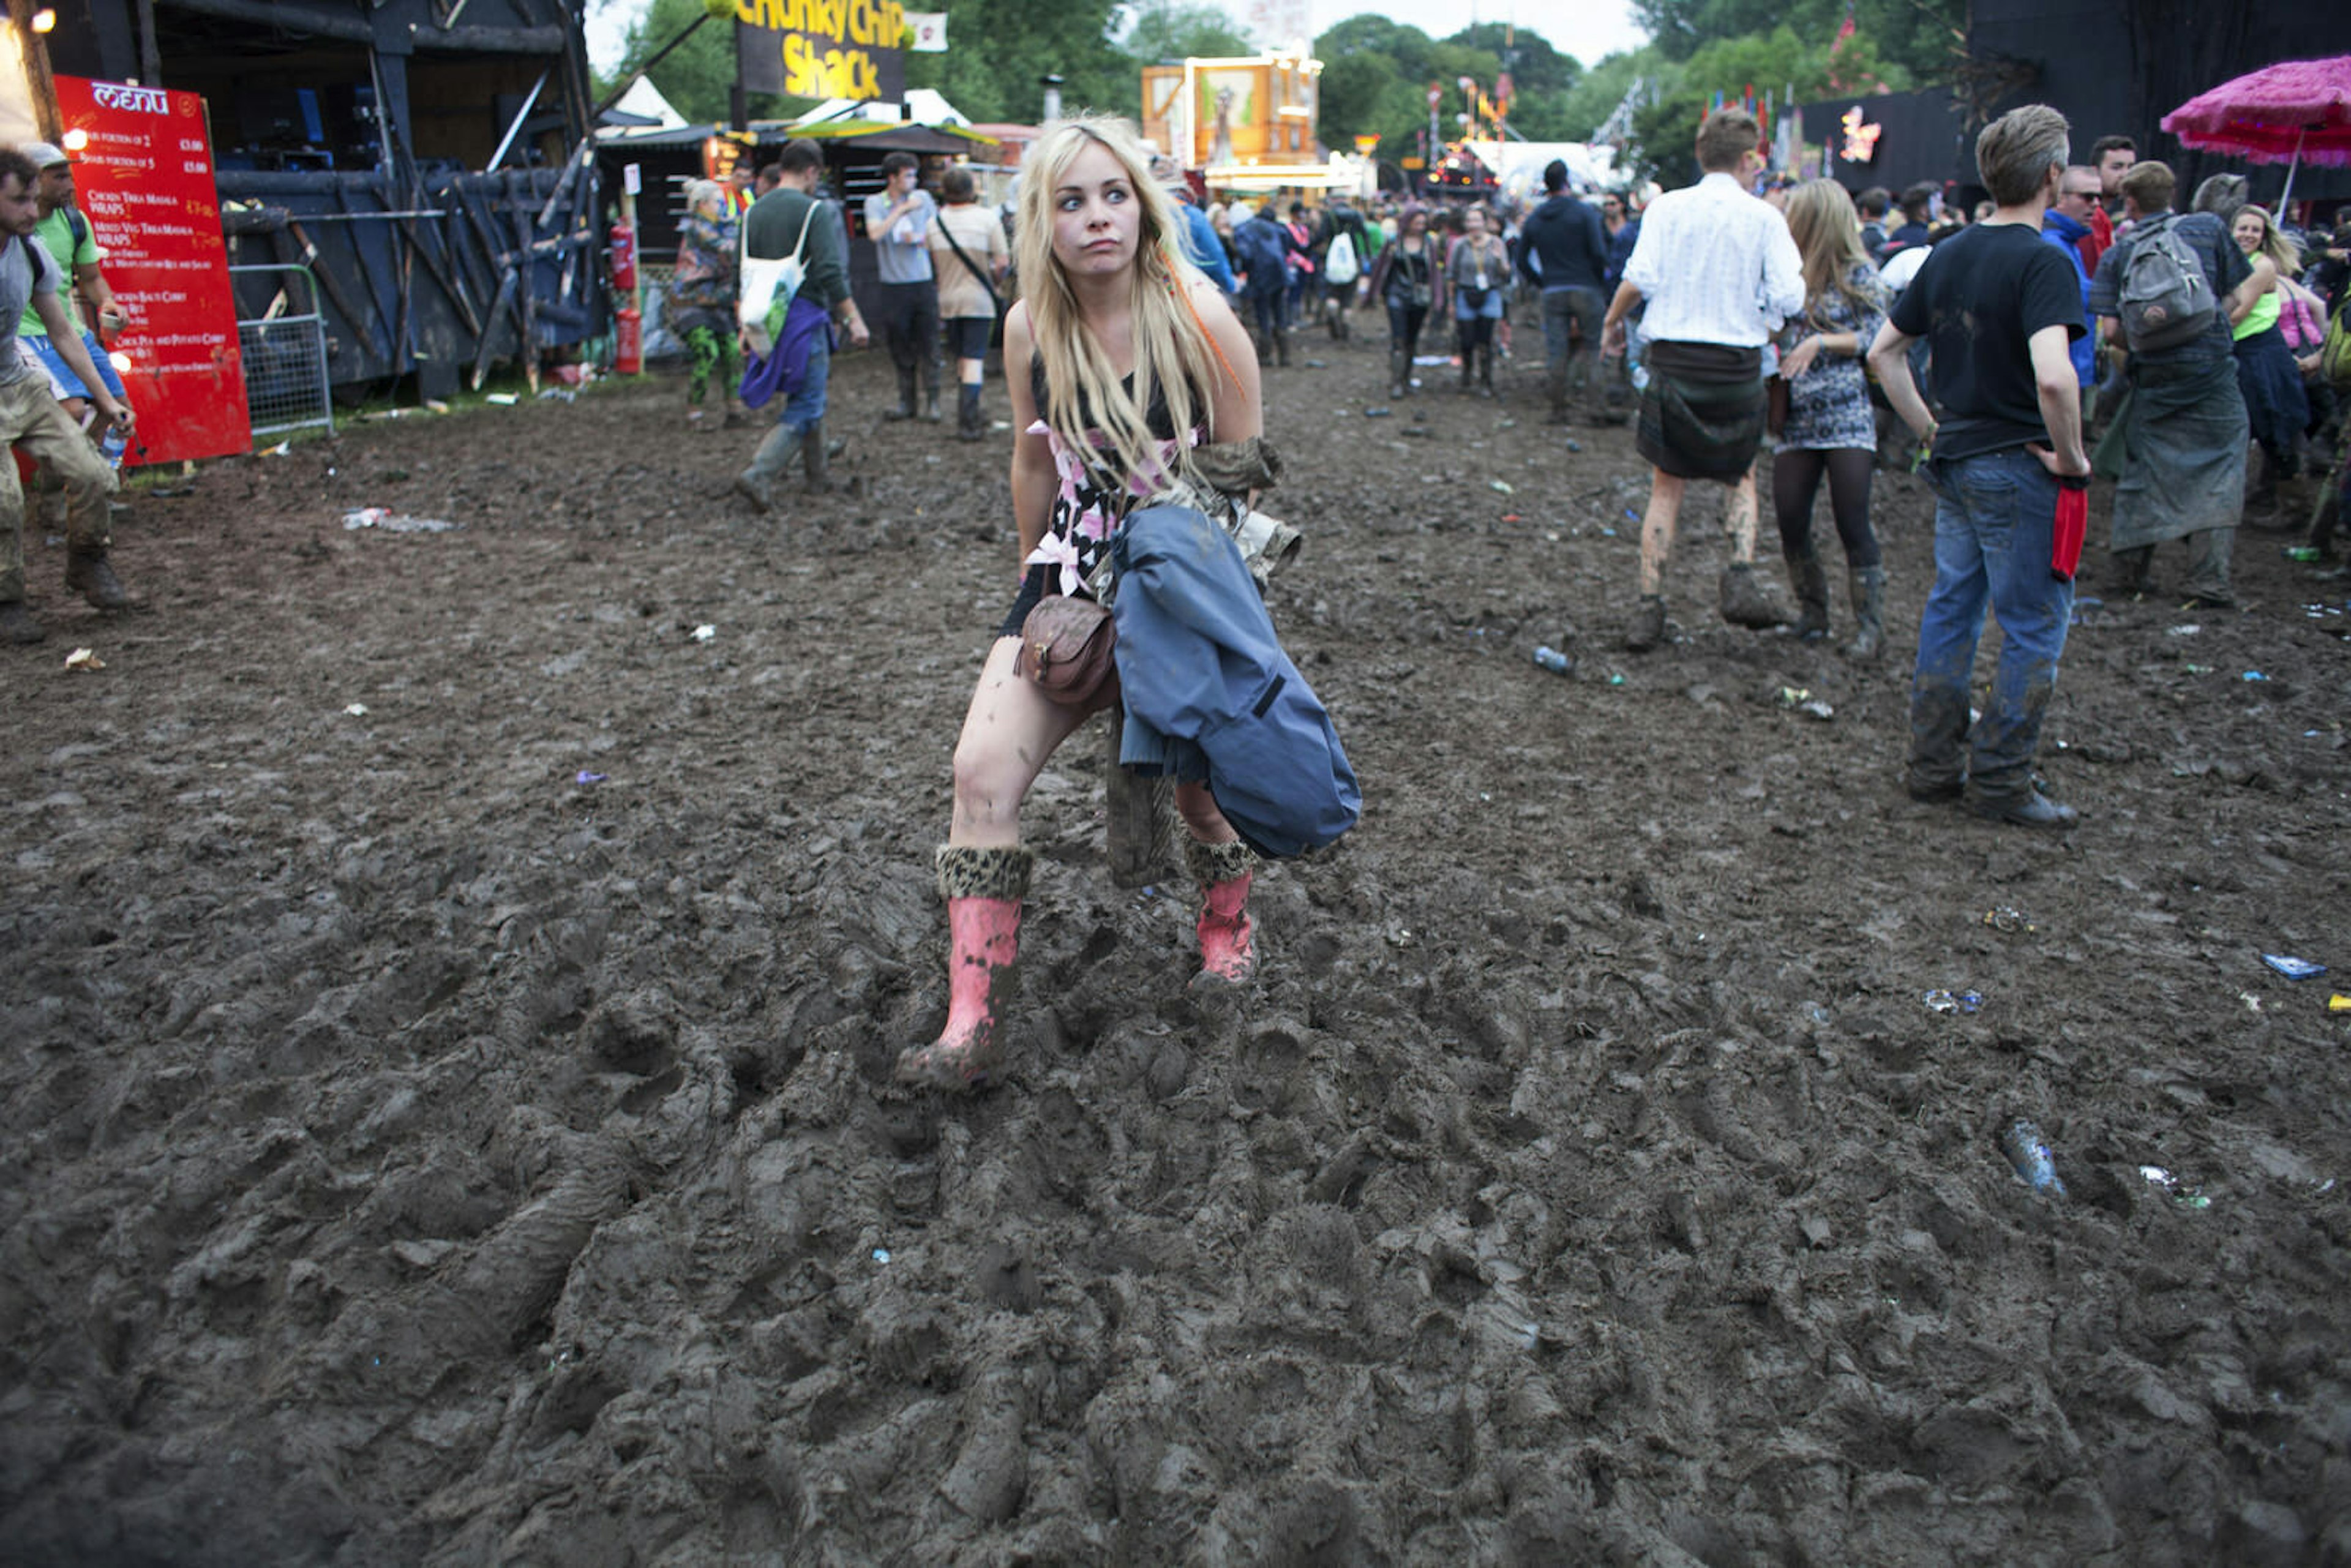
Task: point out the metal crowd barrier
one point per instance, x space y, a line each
284 356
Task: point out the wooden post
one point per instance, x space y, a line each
36 50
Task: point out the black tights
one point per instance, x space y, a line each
1474 334
1796 479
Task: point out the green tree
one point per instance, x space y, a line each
1917 37
1599 91
1164 32
1540 77
1771 63
998 49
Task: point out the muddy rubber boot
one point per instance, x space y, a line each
1744 601
906 409
815 458
2030 810
1339 328
2322 520
91 575
1485 369
983 888
2131 570
18 626
1811 585
1867 585
1938 767
931 403
757 483
1468 370
1556 393
970 423
1228 938
1399 372
1281 347
1648 627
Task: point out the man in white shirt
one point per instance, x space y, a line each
898 219
1719 273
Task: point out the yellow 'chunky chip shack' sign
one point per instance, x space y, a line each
822 49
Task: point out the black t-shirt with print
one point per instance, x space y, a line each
1978 301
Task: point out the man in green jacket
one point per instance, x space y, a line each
773 227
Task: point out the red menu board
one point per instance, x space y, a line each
143 177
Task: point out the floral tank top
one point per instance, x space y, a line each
1088 502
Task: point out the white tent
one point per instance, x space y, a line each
929 108
645 99
1518 166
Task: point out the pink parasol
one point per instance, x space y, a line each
2283 113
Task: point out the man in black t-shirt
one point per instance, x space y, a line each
2001 309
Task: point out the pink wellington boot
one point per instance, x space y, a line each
983 888
1228 938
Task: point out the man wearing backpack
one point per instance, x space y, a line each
1262 248
1564 254
1345 259
31 420
2178 444
65 232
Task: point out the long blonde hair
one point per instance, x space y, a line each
2274 243
1172 354
1827 232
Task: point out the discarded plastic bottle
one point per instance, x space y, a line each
1552 659
2028 1151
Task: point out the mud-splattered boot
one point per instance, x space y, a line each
816 459
1281 346
91 575
1485 369
906 409
1811 585
1745 601
983 888
1399 372
1866 584
971 425
1228 938
757 483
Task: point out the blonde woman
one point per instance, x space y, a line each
2266 372
1120 359
1829 428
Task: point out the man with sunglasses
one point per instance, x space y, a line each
2066 225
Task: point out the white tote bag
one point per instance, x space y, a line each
768 285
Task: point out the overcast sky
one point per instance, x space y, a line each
1588 30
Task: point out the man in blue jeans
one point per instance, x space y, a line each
2002 309
1564 252
793 218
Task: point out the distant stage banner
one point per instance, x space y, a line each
822 49
143 177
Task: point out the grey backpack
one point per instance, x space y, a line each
2165 299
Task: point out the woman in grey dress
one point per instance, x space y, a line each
1830 429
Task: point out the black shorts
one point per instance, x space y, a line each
968 336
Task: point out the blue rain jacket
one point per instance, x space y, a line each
1210 694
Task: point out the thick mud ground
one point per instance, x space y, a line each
411 1152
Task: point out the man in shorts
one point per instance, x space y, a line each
31 418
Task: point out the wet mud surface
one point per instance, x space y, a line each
459 1132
